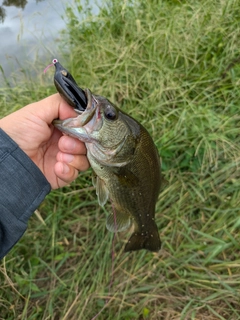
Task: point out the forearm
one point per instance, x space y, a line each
22 188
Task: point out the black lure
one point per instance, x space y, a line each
68 88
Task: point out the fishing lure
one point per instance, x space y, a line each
67 87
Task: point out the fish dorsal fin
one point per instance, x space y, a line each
101 190
117 222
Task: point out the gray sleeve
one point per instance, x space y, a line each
22 188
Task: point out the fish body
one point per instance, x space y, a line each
126 168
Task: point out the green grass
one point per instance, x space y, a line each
174 66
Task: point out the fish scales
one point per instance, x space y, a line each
138 197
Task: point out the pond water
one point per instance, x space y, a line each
28 32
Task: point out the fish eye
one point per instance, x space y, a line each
110 113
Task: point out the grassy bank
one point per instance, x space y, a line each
174 66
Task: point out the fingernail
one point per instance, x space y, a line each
70 143
65 168
67 157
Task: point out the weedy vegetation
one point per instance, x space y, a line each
175 67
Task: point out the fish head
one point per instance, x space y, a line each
110 134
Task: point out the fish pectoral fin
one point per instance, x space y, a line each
101 191
117 222
94 179
126 177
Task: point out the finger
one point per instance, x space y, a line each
52 107
79 162
65 173
71 145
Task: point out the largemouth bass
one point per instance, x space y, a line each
126 168
125 161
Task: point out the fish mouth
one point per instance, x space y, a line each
87 115
68 88
85 123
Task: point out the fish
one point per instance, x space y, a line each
126 167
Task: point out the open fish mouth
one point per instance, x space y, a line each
85 123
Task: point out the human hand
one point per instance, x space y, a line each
58 157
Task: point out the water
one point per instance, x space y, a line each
29 32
